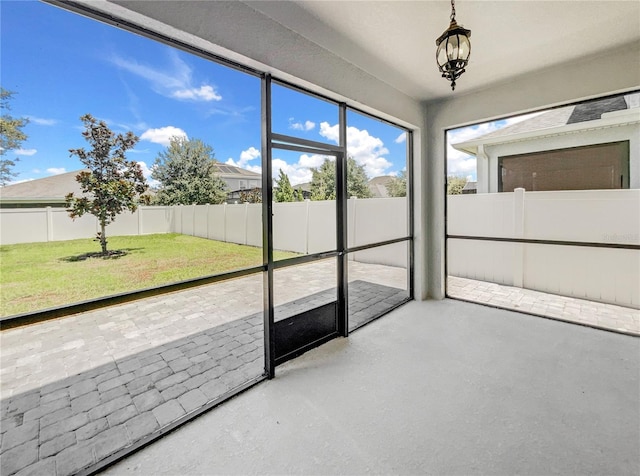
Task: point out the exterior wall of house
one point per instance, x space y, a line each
488 175
234 183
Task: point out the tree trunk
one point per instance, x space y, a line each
103 240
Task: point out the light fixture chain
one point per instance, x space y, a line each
453 10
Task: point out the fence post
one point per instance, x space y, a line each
139 210
224 223
518 232
246 223
49 224
193 221
306 241
354 228
207 221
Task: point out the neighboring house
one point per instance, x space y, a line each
50 191
470 188
238 179
305 188
378 186
593 145
44 192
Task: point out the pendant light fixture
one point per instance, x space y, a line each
454 49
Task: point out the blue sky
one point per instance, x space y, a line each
61 65
464 165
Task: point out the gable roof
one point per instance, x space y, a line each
617 110
588 111
54 187
378 186
231 171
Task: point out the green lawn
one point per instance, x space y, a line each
36 276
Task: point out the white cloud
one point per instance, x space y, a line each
250 154
299 172
42 121
162 135
314 160
299 126
330 132
401 138
56 170
247 156
367 150
204 93
139 151
25 151
174 80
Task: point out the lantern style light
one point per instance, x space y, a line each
454 49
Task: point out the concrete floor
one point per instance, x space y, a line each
436 387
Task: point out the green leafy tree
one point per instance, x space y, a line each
253 195
11 136
397 187
187 174
323 181
455 184
283 191
112 184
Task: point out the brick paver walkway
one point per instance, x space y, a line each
77 389
606 316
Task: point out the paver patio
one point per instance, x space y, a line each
77 389
596 314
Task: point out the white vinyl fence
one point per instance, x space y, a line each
302 227
607 275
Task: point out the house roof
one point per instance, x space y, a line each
305 187
378 186
231 171
55 188
597 113
470 186
50 188
589 111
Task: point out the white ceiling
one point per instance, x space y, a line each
395 40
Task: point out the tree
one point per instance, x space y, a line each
11 137
283 191
455 184
397 186
112 184
323 181
187 174
253 195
